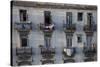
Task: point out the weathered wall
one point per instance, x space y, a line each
58 40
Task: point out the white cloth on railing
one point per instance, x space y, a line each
50 26
68 51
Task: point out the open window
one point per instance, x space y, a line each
47 17
24 42
47 42
69 41
23 15
69 18
79 38
80 16
89 40
89 18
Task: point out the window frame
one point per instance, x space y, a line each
24 43
68 40
79 36
69 18
23 15
80 16
89 18
47 17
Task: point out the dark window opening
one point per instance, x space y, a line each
24 42
69 18
69 41
47 15
80 16
89 18
79 38
23 15
89 41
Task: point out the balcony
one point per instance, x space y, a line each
89 59
24 56
23 26
69 28
90 51
69 52
47 53
90 28
47 28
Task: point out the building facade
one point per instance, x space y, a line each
52 33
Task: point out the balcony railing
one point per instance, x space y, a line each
89 59
24 50
69 61
24 55
90 28
47 61
69 27
47 28
90 51
47 52
23 26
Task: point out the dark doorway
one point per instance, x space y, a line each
23 15
24 42
69 18
47 17
89 19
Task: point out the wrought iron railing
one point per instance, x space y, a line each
90 51
47 53
92 27
24 55
23 26
69 27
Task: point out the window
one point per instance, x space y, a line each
47 17
89 18
80 16
69 18
23 15
89 40
24 42
47 42
69 41
79 38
